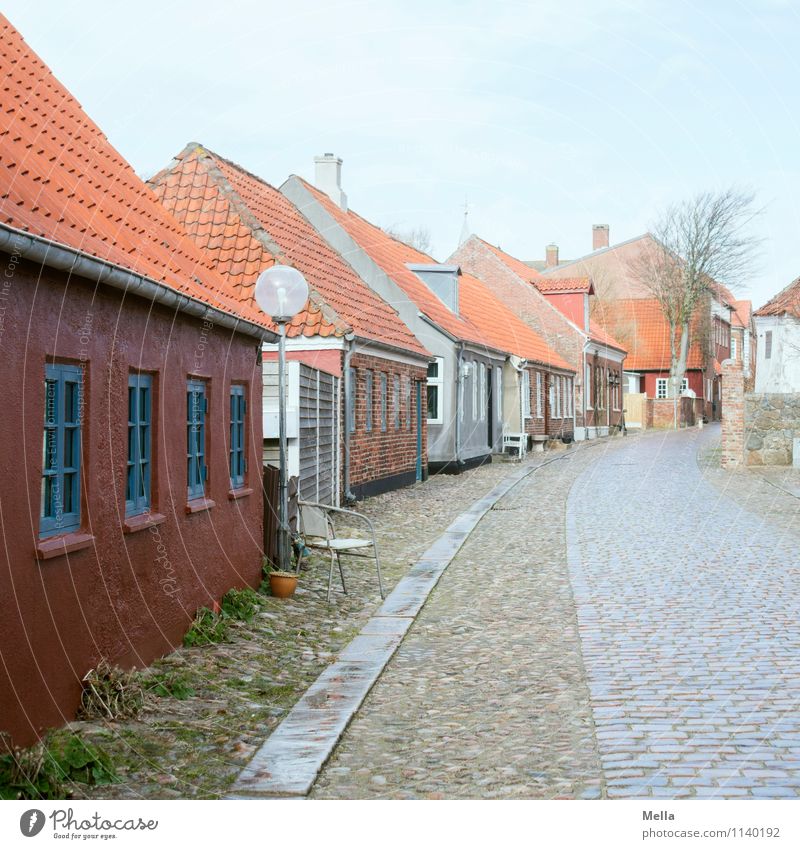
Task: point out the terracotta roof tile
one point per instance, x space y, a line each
246 225
640 324
742 313
63 181
786 302
553 286
482 319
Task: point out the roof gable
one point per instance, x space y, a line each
245 225
65 182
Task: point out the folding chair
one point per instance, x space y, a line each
317 528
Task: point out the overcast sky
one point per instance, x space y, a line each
547 116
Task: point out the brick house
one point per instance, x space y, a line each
358 347
129 470
558 310
612 269
482 379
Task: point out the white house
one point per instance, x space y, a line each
778 342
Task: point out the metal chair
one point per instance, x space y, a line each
316 526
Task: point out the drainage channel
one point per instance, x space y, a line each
289 761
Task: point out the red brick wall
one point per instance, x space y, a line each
377 454
732 441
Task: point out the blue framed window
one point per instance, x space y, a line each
368 380
238 461
196 415
61 452
140 444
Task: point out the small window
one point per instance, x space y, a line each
407 397
685 385
661 387
474 376
60 510
435 380
238 457
483 393
587 389
196 415
384 392
733 348
368 383
552 396
396 401
539 396
526 393
137 490
352 388
768 345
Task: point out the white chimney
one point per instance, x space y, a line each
328 178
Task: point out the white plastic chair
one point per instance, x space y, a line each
318 530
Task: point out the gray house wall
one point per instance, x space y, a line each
441 437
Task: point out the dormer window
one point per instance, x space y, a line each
442 280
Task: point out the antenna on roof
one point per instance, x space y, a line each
465 226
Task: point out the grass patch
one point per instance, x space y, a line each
45 770
170 684
208 628
241 604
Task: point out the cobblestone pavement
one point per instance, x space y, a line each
242 688
687 581
486 696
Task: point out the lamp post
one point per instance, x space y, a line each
281 292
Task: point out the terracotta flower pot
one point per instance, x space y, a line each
282 584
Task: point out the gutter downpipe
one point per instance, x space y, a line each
349 338
459 401
63 258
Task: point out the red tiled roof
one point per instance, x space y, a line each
742 313
63 181
553 286
640 324
786 302
245 225
482 319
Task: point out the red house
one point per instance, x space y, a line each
130 466
244 225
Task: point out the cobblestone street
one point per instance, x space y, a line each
633 635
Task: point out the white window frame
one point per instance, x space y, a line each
587 386
662 381
483 392
684 385
526 394
552 396
499 392
734 346
539 396
474 377
438 382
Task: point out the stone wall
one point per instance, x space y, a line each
772 421
758 429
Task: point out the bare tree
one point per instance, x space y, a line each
416 237
698 244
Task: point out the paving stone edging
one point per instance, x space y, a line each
289 761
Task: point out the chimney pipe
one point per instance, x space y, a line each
599 236
328 178
551 256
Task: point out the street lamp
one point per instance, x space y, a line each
281 292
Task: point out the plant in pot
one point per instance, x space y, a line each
281 584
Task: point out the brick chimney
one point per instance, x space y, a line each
551 256
599 236
328 178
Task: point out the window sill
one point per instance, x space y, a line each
140 522
233 494
198 505
66 544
